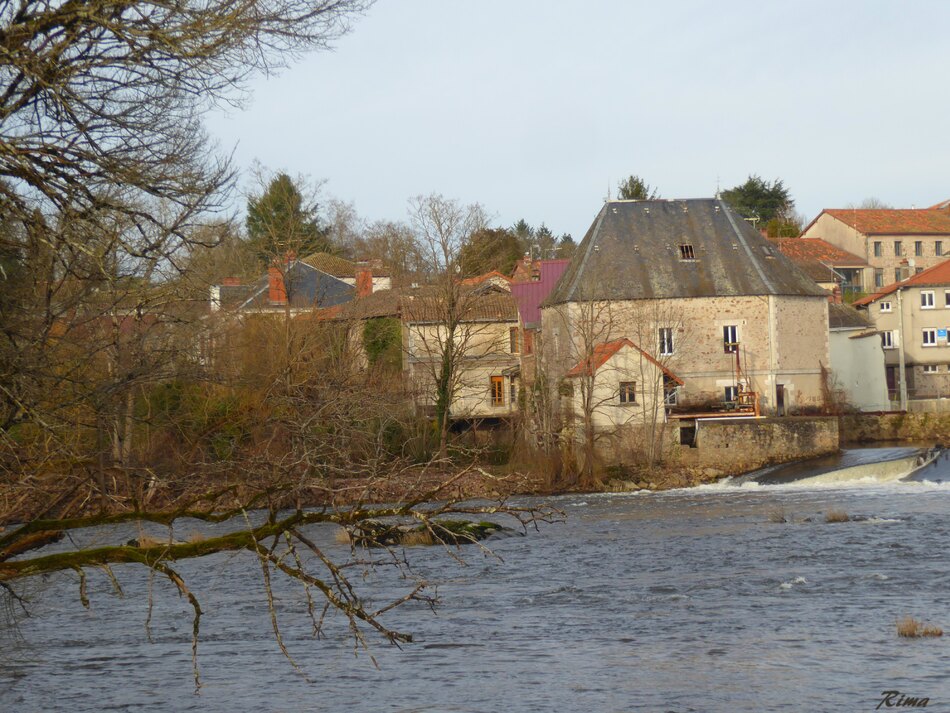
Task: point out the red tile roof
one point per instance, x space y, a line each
938 275
602 353
805 250
479 279
893 221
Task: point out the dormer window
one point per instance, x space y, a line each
686 252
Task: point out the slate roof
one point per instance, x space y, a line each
936 276
306 288
892 221
602 353
842 316
632 251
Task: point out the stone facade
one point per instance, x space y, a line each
781 340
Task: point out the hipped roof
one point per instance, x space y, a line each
632 251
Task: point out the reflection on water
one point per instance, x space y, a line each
691 600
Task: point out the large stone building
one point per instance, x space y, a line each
895 243
704 294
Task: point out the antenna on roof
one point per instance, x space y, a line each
608 190
717 187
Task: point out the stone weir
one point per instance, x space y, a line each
738 445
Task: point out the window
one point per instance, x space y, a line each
929 337
931 368
513 340
628 392
897 274
666 341
887 340
686 252
731 393
498 391
918 248
878 249
730 339
898 248
927 299
529 342
885 306
879 277
918 270
938 247
946 299
513 391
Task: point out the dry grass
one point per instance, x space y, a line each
836 516
911 628
417 537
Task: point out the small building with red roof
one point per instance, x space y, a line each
619 384
828 265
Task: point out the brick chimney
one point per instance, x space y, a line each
364 281
277 291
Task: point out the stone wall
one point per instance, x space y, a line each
741 445
916 427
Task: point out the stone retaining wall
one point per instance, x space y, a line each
916 427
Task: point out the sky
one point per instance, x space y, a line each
534 109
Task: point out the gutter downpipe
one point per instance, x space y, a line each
900 354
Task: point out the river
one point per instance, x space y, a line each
690 600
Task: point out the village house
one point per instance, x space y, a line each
857 360
700 291
913 317
895 243
297 285
485 348
838 271
595 391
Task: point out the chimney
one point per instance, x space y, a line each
364 282
277 291
835 296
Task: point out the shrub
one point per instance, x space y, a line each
836 516
911 628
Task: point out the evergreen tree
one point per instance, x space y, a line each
280 220
635 188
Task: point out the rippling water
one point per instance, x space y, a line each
689 600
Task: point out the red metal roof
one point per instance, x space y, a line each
530 295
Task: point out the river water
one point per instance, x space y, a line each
691 600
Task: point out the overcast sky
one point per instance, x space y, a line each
533 108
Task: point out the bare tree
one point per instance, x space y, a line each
443 226
107 416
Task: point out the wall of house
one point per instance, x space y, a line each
921 383
485 354
607 411
799 327
857 368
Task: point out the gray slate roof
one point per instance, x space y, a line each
632 251
842 316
